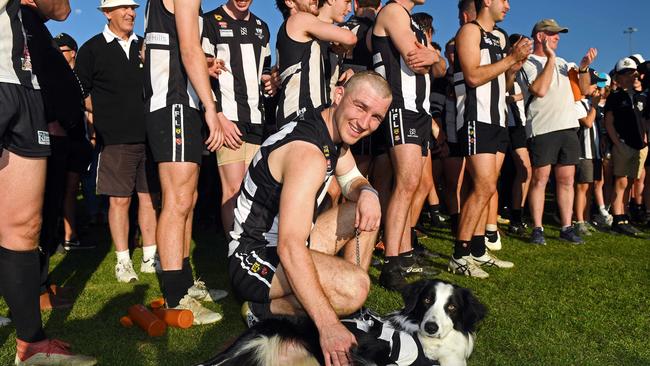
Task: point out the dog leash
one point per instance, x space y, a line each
356 235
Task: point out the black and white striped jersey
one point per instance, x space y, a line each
165 80
302 72
589 137
258 204
243 45
410 90
361 58
486 103
517 110
15 59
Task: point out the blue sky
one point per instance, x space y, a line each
595 23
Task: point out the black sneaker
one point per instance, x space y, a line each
571 236
537 237
437 220
624 227
75 244
392 279
422 252
418 269
517 228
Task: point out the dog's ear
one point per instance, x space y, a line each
411 295
473 311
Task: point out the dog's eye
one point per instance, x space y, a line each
451 307
427 300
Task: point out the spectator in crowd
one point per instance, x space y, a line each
408 127
481 107
270 266
176 81
551 122
242 45
77 162
636 204
23 153
589 167
110 69
626 126
603 186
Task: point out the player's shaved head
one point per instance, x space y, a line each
368 79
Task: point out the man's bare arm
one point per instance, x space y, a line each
469 55
303 26
54 9
186 14
299 188
395 23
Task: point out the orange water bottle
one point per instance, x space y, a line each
147 320
175 317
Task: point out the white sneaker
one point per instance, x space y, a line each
494 245
201 315
490 260
465 266
201 292
148 266
124 271
4 321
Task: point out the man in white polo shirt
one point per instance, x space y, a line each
552 124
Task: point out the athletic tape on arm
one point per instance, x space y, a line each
345 181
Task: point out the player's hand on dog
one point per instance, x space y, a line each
336 341
231 133
368 215
215 137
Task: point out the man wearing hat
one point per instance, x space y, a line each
589 168
626 126
111 73
552 123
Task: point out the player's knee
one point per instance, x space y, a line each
358 287
180 204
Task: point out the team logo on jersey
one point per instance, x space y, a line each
259 33
223 24
413 133
218 17
639 106
43 137
244 31
226 33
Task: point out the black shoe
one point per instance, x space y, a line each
517 228
624 227
422 252
75 244
392 279
419 270
437 220
571 236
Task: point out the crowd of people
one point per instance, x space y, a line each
362 131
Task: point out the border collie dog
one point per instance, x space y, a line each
435 327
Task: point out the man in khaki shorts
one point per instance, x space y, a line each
239 41
626 127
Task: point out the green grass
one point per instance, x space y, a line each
560 305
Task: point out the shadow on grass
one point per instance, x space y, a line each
76 269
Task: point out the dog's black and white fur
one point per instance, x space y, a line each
436 326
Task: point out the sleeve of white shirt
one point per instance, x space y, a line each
582 108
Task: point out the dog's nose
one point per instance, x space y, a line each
431 327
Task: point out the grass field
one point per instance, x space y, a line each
560 305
